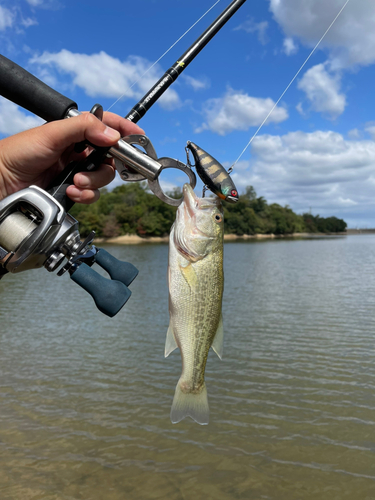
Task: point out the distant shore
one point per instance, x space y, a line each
360 231
134 239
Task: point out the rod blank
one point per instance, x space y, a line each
141 108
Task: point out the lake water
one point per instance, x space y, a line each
85 400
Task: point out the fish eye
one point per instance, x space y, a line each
218 218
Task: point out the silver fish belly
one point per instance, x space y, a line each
196 280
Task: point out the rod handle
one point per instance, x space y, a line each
24 89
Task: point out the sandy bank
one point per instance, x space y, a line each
133 239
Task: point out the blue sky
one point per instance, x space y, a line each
317 150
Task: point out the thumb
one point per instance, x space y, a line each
59 135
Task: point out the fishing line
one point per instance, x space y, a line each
165 53
287 88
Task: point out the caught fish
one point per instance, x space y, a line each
213 174
196 281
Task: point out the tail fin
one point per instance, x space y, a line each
190 405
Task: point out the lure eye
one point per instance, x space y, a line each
218 218
234 192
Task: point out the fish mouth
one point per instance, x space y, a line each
191 200
186 230
186 211
191 205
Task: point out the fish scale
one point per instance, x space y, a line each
195 347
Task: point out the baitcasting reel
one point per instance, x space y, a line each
36 231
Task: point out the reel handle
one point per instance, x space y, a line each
109 295
118 270
24 89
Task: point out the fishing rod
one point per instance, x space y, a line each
141 108
36 229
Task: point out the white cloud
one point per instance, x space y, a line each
197 84
28 22
347 202
13 18
289 46
300 109
241 165
250 26
323 91
7 18
350 41
103 75
321 170
168 140
14 120
371 130
35 3
45 4
354 134
238 111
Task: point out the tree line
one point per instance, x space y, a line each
131 209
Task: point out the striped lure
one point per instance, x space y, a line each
213 174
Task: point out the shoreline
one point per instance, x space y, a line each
134 239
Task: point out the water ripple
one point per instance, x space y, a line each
85 400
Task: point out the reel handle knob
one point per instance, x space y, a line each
118 270
109 295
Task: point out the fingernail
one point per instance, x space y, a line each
82 181
74 192
112 133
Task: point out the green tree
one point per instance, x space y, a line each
132 209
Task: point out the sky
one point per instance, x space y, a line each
315 153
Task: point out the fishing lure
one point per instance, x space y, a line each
212 173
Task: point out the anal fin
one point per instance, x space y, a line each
170 341
217 344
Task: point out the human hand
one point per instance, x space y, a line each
38 155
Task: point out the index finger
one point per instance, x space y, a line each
124 126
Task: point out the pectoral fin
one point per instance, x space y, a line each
217 344
170 341
188 272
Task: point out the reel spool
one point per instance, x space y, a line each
14 230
